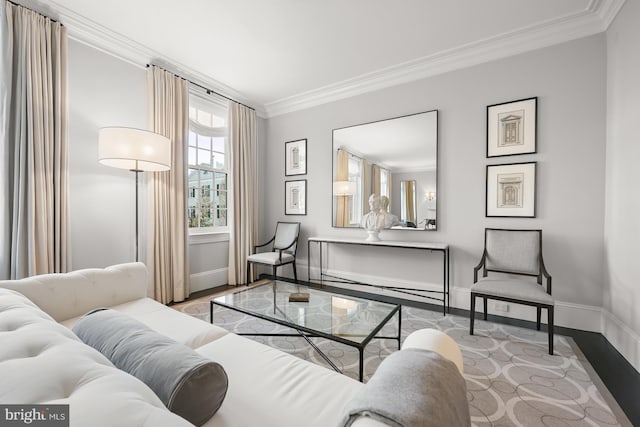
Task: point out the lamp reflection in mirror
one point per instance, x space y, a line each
136 150
431 196
342 190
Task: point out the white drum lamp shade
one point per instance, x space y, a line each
344 188
134 149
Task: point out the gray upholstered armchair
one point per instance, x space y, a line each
285 245
514 252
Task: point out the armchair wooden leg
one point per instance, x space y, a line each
539 315
550 327
485 308
248 273
274 272
295 275
472 313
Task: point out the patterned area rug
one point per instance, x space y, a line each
511 379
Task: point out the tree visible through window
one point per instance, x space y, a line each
207 160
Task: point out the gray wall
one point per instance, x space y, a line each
622 227
569 81
105 91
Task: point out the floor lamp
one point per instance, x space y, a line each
136 150
342 190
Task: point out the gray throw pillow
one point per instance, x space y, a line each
187 383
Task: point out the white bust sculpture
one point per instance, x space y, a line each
375 220
390 219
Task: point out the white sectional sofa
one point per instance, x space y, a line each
42 361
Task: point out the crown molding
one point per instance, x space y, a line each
90 33
608 10
594 19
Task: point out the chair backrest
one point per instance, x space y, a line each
286 234
513 251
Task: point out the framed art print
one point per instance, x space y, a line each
511 128
511 190
295 157
295 197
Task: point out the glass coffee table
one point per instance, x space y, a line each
352 321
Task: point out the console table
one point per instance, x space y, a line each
424 246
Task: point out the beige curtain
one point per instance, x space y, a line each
366 185
342 202
34 174
375 180
409 192
243 226
167 229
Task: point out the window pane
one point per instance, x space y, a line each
192 156
207 188
206 178
221 181
204 142
206 196
192 194
204 158
218 122
218 144
193 218
220 217
204 118
193 177
205 219
218 160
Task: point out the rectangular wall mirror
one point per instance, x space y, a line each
395 159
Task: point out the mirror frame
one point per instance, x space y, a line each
438 219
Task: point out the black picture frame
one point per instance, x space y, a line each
510 190
295 197
512 128
295 157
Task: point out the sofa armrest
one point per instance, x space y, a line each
67 295
435 340
427 339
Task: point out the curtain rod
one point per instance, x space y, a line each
209 91
33 10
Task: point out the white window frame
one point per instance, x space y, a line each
355 175
210 104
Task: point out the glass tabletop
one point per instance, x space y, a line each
334 315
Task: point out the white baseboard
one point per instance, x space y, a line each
569 315
208 279
622 337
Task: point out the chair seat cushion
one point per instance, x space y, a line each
512 288
271 258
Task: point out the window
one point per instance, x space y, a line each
207 162
355 175
384 182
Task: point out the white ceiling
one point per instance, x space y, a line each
402 144
281 55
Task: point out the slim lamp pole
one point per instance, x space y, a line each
137 172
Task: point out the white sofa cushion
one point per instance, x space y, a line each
43 362
269 388
67 295
185 329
